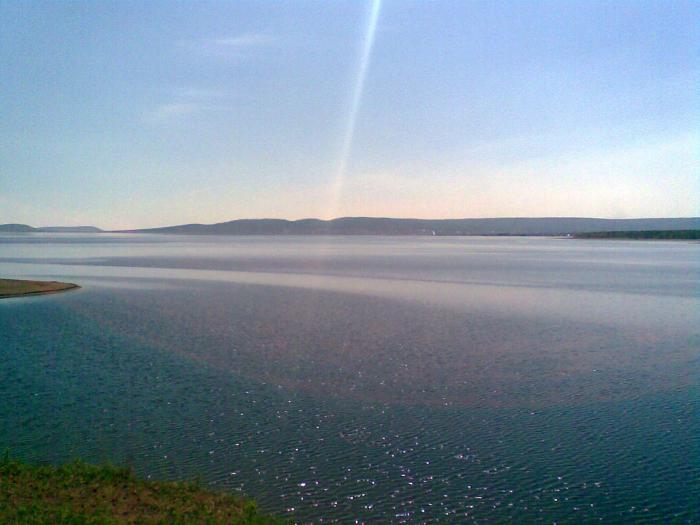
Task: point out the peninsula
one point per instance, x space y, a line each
103 494
19 288
25 228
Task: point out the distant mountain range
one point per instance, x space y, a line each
388 226
23 228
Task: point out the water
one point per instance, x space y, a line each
411 380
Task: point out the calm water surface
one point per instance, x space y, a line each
404 380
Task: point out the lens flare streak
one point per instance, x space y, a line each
366 52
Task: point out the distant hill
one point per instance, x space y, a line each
388 226
23 228
15 228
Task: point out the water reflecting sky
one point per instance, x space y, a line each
383 379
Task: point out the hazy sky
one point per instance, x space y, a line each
135 114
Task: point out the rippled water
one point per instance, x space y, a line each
378 379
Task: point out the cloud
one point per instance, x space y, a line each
173 111
188 102
232 46
241 41
198 93
176 109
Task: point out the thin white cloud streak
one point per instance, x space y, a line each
188 103
172 111
242 41
199 93
232 46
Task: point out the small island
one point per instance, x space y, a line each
20 288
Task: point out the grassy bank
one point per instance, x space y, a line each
82 494
17 288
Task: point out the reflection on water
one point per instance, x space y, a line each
384 379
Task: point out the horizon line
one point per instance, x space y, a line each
380 217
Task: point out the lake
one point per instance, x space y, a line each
378 379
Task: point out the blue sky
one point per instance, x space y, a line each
138 114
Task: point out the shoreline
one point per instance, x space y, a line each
642 235
79 492
10 288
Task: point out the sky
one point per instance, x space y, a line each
126 114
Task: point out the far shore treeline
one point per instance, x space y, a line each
646 234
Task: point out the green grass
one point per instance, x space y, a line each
15 288
81 494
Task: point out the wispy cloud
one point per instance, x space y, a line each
188 102
232 46
241 41
172 111
199 93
